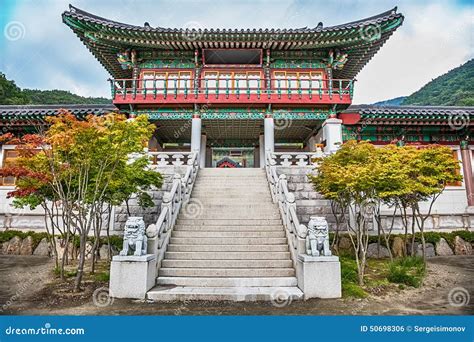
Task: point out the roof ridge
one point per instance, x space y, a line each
318 28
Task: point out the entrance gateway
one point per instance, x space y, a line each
233 110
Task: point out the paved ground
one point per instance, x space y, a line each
24 289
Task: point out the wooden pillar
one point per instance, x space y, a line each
467 172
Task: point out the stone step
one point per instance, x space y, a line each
228 228
236 294
231 183
223 191
220 207
233 179
228 234
228 222
227 248
227 241
234 201
262 197
204 214
226 255
226 272
227 282
226 263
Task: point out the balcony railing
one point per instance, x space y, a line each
232 90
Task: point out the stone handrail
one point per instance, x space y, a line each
288 159
295 232
160 159
173 200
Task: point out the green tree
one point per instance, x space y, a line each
10 94
349 178
82 165
361 177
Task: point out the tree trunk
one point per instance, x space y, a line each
82 258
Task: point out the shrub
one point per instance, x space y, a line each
36 236
409 271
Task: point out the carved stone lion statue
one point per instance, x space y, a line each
134 237
317 239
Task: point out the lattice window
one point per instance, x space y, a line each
9 158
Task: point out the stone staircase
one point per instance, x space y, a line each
228 243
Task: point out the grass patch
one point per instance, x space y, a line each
67 273
407 271
349 280
102 276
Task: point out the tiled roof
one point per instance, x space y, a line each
359 39
412 114
35 112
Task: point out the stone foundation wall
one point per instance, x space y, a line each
308 201
150 215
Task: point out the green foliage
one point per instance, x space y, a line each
115 240
102 276
55 96
455 88
10 94
349 279
9 234
430 237
408 271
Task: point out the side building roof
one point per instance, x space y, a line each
26 115
408 115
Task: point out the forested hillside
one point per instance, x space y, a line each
11 94
455 88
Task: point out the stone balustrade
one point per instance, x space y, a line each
297 159
162 159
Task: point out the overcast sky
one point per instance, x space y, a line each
38 51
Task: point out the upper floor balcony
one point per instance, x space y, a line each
238 89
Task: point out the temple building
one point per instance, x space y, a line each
232 95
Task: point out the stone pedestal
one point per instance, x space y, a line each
332 134
132 276
319 277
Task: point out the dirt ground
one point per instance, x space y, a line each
28 287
